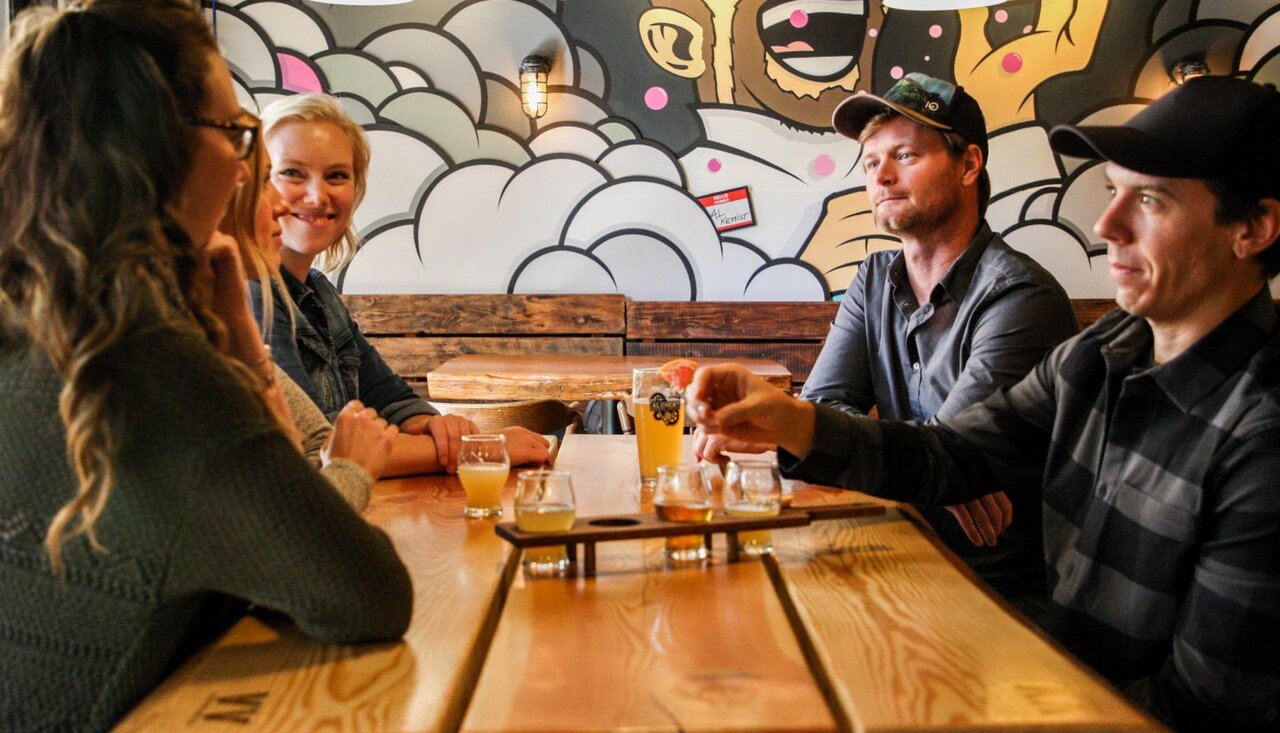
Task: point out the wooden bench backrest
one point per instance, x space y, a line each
789 333
417 333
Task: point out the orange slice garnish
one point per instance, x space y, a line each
679 372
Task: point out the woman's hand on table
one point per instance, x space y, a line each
362 437
730 401
446 431
525 446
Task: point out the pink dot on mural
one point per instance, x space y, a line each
656 98
823 166
873 32
713 165
926 58
1011 63
896 72
1002 15
935 31
799 18
1027 29
296 75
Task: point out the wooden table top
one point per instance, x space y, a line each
561 376
858 624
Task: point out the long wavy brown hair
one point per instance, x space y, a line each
94 148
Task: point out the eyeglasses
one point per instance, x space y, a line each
241 131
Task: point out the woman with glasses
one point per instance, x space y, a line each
319 163
147 492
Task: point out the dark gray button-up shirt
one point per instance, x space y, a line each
993 316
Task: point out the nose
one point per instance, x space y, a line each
274 200
886 173
316 192
1111 226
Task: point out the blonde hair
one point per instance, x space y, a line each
94 149
241 223
319 107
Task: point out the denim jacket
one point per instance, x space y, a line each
326 354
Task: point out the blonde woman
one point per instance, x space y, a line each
319 163
352 452
147 493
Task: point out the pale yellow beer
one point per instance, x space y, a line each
658 440
545 503
753 488
545 518
483 484
756 542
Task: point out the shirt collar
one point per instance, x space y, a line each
1218 356
959 276
298 290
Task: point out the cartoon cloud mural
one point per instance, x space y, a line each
467 194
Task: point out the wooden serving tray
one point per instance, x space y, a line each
587 531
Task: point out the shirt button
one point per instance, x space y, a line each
915 367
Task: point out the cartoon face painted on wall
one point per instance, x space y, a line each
796 59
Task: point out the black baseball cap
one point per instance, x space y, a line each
929 101
1210 127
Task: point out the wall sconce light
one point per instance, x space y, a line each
938 4
533 85
1188 69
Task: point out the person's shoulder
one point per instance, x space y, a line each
1007 266
173 375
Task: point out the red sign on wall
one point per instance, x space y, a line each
729 209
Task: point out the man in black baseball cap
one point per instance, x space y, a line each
1154 435
925 331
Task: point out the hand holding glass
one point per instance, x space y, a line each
483 465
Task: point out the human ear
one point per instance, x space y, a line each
1260 232
674 41
972 161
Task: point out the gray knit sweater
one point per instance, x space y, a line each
348 477
212 508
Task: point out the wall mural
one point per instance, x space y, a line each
655 103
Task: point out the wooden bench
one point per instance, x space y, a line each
417 333
790 333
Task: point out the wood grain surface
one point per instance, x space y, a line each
270 679
858 624
492 314
559 377
415 357
910 643
642 647
703 320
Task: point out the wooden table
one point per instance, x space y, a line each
560 377
858 624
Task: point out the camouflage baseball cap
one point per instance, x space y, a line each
929 101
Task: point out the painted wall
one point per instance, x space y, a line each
657 102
